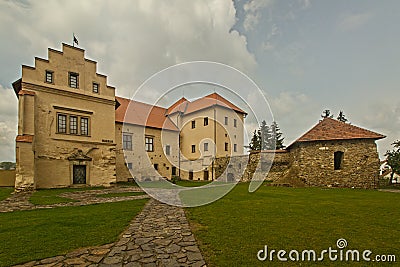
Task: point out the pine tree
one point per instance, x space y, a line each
255 143
326 114
265 136
277 135
341 117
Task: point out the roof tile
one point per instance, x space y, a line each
331 129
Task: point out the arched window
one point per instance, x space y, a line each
338 160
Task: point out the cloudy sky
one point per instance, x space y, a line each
305 55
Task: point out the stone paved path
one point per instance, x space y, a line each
158 236
20 201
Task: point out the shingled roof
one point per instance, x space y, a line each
330 129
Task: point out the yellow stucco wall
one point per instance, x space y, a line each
51 166
7 177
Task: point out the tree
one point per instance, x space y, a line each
277 136
326 114
393 159
265 136
341 117
7 165
255 143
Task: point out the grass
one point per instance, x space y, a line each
38 234
186 183
5 192
51 196
123 194
233 229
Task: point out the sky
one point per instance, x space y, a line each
304 55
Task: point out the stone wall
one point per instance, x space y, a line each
314 162
309 164
243 167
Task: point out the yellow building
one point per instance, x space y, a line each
66 123
72 129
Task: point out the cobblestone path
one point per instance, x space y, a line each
158 236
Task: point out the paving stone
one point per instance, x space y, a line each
133 264
172 248
112 260
75 261
148 260
94 259
194 256
100 251
76 253
192 249
52 260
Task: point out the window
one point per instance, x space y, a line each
234 123
234 147
226 146
167 149
61 123
338 160
193 148
129 165
156 167
173 170
84 126
226 121
49 76
205 121
73 80
73 125
127 141
95 88
149 145
205 146
193 124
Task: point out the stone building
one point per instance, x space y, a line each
332 153
335 153
73 130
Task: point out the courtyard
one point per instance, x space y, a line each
121 226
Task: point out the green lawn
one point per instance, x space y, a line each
37 234
51 196
5 192
233 229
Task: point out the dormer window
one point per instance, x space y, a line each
73 80
95 88
49 76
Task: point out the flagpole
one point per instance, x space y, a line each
73 39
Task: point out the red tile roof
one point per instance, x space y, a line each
26 138
185 106
178 106
331 129
142 114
